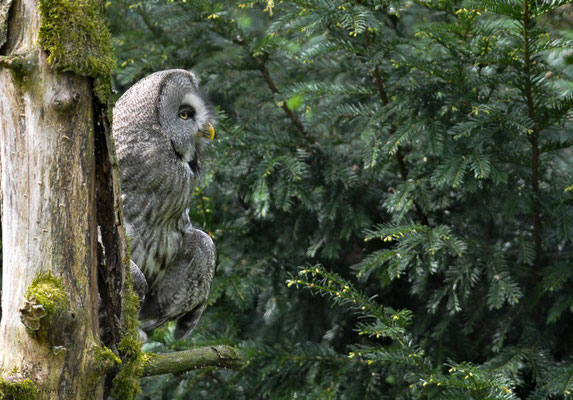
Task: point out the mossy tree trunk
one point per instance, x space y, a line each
59 183
49 326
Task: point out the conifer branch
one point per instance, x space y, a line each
152 26
534 138
271 84
399 156
384 99
201 357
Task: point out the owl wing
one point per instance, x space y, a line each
138 280
189 321
181 293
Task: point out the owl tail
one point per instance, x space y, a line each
188 322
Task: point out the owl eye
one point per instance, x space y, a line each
186 112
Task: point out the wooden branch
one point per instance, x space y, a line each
219 356
23 62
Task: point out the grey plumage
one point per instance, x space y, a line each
159 126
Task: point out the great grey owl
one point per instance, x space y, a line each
159 126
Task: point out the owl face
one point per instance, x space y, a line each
186 116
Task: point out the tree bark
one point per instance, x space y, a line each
49 326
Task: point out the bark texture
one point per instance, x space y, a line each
49 326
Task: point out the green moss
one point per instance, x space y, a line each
104 355
20 390
130 308
77 40
105 359
45 311
49 292
126 382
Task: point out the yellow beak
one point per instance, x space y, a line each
208 132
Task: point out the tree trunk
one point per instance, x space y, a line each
57 167
49 327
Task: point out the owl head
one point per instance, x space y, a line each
185 114
165 113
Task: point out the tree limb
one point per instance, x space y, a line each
220 356
23 62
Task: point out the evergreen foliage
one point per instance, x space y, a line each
407 162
